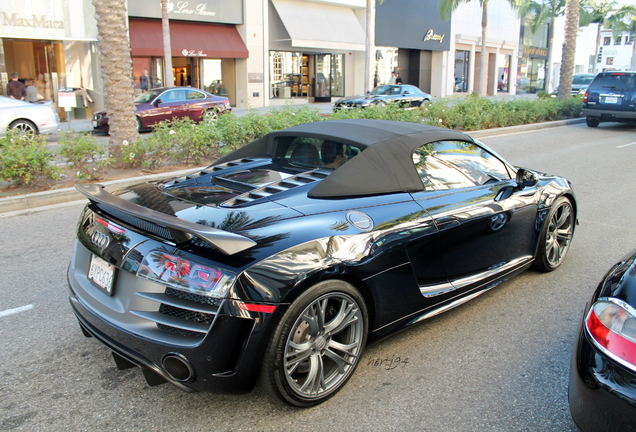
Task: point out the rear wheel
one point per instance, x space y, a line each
592 122
556 235
24 127
210 115
317 345
424 103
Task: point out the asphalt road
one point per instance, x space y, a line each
497 363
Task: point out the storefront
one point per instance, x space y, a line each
420 53
204 42
313 50
52 43
533 59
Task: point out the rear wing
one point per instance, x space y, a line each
182 230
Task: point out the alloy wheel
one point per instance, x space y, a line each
559 234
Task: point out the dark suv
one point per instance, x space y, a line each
611 97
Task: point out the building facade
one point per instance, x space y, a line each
53 43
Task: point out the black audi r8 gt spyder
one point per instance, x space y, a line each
407 96
602 390
282 260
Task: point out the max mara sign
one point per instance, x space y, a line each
48 19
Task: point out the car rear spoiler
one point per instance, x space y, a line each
181 230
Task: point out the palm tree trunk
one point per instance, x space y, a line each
569 48
369 44
167 48
117 74
598 45
482 84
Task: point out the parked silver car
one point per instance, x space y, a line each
29 118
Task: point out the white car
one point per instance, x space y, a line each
29 118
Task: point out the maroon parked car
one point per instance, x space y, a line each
162 104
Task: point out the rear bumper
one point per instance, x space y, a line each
225 360
609 115
602 393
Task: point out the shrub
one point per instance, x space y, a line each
82 152
176 141
26 160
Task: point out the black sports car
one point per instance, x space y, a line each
407 96
602 389
283 259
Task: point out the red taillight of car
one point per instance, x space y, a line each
226 102
612 325
585 98
185 274
253 307
109 225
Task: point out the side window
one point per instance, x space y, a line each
447 165
193 94
314 152
173 96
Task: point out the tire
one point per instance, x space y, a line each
556 236
424 103
316 345
210 115
24 127
592 122
140 127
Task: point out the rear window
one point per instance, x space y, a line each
582 79
309 152
614 82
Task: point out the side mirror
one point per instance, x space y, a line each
526 178
157 102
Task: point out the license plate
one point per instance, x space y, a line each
611 99
101 273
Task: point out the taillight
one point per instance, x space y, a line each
226 102
585 98
185 274
612 325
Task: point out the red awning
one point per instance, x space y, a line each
187 39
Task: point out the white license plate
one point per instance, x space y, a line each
611 99
101 273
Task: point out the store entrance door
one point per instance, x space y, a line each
322 78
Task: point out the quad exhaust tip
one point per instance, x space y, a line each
178 367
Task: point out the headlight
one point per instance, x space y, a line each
184 274
612 325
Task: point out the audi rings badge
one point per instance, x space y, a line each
100 239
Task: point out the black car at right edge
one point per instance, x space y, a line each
611 97
602 390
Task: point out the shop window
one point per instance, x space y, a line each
607 40
277 67
617 41
610 61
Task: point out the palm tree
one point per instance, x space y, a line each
569 48
116 68
167 49
446 8
607 14
544 12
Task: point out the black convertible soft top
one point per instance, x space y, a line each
385 164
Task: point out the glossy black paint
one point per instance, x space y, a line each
602 392
417 255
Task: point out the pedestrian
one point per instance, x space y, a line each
15 89
145 81
398 79
392 79
32 93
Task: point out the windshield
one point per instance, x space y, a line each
621 82
147 97
582 79
385 90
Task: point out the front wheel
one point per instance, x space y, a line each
317 345
592 122
556 236
24 127
140 127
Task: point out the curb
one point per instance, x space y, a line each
24 204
